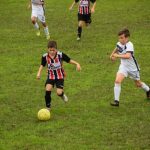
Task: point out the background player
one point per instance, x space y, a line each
38 12
128 66
54 60
84 14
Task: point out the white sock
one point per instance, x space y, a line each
117 91
46 31
145 87
36 26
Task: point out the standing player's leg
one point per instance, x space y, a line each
60 92
145 87
41 17
48 90
34 22
117 88
80 26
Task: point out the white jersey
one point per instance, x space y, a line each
38 2
131 63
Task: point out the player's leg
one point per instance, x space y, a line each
41 17
117 89
88 20
60 92
48 88
34 21
81 23
145 87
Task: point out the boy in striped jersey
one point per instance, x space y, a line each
84 14
128 67
38 12
54 61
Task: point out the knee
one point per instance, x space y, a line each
117 82
33 20
138 84
60 93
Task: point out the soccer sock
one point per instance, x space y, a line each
79 31
46 31
48 98
36 26
145 87
61 94
117 91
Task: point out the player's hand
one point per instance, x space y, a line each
38 77
70 8
115 55
78 67
92 10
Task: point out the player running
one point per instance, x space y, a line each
38 12
54 61
84 14
128 67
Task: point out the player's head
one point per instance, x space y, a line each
52 46
123 36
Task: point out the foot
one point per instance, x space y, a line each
148 94
65 98
49 109
115 103
47 37
78 38
38 33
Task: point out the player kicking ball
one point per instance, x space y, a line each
84 14
54 61
38 12
128 67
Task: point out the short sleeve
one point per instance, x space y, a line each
129 47
65 58
43 61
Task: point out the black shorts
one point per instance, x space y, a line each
58 82
85 17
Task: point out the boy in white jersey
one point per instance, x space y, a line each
128 67
38 12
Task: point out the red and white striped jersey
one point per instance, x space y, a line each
55 68
84 6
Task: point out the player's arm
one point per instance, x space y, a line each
69 60
71 7
94 6
125 56
113 52
43 64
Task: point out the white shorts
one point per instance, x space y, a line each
38 12
135 75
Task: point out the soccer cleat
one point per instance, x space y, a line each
64 98
47 37
78 38
115 103
148 94
38 33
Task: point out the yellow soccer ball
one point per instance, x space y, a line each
44 114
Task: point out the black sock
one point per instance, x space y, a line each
61 95
48 99
79 31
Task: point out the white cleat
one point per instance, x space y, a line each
65 98
78 38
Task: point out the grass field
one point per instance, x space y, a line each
87 122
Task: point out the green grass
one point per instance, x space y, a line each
87 122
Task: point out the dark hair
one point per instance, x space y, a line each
125 31
52 44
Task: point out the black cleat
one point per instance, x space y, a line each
115 103
148 94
